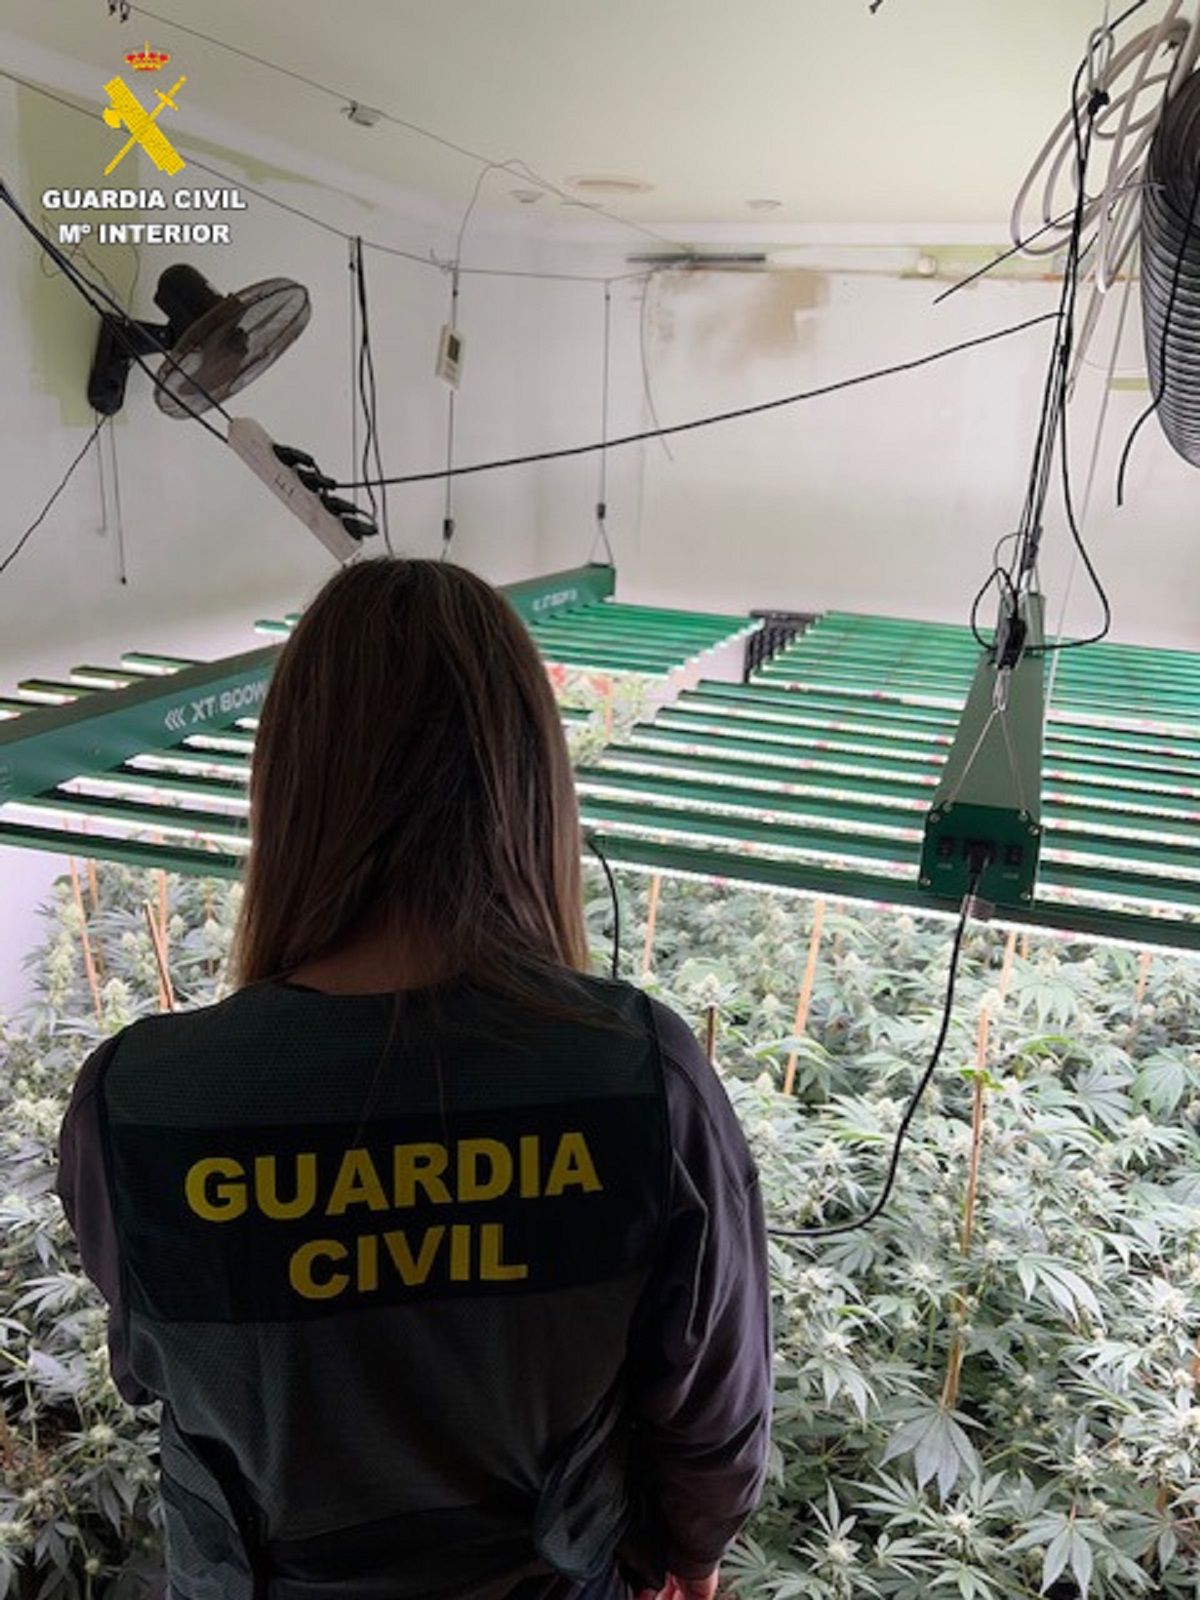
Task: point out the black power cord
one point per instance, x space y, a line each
45 511
594 846
833 1230
720 416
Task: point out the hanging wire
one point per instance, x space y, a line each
352 268
834 1230
369 399
1085 506
110 434
601 533
593 845
872 376
647 389
448 499
47 507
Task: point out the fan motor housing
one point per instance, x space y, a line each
213 344
184 296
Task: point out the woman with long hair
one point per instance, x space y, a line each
445 1260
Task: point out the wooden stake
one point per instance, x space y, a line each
1006 966
958 1346
651 922
806 989
94 895
981 1051
710 1033
1144 961
89 964
166 994
1024 947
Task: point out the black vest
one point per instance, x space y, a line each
381 1261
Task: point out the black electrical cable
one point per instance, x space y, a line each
832 1230
360 380
1082 150
369 400
1055 393
1007 255
720 416
1072 524
93 294
1096 103
593 846
1162 360
1055 384
1054 390
45 511
1003 577
1052 424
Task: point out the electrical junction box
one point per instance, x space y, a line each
988 804
450 356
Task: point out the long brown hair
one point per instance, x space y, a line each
410 773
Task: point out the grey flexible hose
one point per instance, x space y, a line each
1171 269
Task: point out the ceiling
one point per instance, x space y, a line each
926 111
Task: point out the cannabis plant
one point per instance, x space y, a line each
990 1392
78 1486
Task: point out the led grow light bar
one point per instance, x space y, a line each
798 786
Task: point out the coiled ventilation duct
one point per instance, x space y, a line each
1171 269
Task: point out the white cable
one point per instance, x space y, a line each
1137 82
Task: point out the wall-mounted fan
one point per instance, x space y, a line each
217 343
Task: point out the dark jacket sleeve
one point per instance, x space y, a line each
701 1359
82 1186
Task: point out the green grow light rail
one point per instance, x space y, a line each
169 704
816 778
612 638
151 758
819 775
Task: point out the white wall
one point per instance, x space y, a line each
887 497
